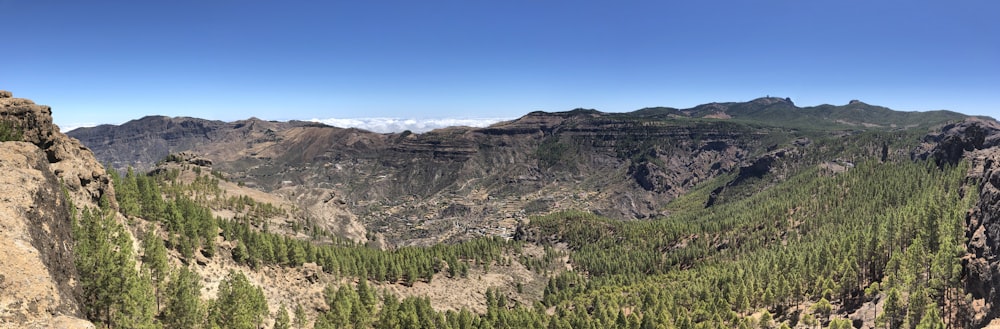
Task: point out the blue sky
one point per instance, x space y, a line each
112 61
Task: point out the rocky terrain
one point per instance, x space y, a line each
456 183
978 141
37 279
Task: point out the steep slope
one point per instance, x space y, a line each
550 161
141 143
979 142
855 226
42 171
458 182
35 247
37 279
298 205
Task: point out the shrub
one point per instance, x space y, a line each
9 131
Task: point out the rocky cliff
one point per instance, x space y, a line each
37 279
977 141
73 163
456 182
980 144
141 143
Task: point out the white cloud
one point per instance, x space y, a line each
379 125
71 126
391 125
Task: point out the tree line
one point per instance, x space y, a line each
789 255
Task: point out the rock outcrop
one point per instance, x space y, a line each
37 279
620 165
982 263
35 245
977 141
954 140
582 159
72 162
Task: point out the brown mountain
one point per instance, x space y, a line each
456 182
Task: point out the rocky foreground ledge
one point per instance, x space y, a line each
38 277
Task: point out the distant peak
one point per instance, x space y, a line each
768 100
565 114
583 111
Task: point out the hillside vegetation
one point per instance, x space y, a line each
727 215
806 251
801 250
453 184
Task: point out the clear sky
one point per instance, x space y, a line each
112 61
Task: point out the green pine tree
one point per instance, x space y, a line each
931 319
281 320
117 294
154 260
296 253
183 307
137 305
239 305
301 319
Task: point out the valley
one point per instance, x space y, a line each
726 215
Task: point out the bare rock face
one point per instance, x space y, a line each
326 204
976 140
954 140
35 244
37 279
982 264
71 162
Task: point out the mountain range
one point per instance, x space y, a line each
735 214
621 165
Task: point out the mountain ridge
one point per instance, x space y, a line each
690 182
622 165
780 112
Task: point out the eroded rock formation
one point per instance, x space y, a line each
37 279
976 140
